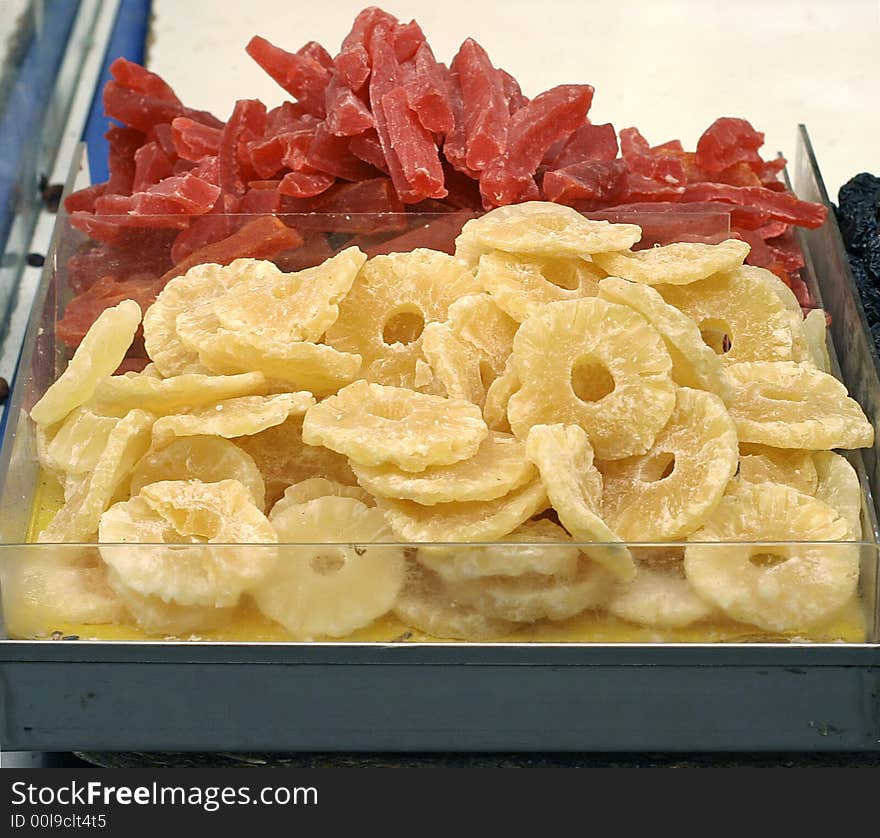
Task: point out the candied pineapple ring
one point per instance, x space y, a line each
189 512
595 364
373 424
762 464
814 328
99 354
206 458
787 405
76 446
739 315
564 458
661 598
497 398
512 557
674 264
693 363
318 487
520 286
331 589
498 467
454 363
541 228
839 487
669 491
391 301
776 586
479 321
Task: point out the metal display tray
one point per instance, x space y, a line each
208 696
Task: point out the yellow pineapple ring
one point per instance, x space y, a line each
77 444
189 512
232 417
314 488
206 458
513 556
669 491
564 458
762 464
596 364
839 487
498 467
497 398
98 355
284 459
814 327
393 298
331 589
92 493
464 521
455 364
478 320
373 424
541 228
521 286
286 307
775 586
660 598
674 264
739 315
693 363
425 604
788 405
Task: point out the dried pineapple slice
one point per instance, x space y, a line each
787 405
478 320
314 367
762 464
739 315
232 417
775 586
541 228
521 286
425 604
206 458
497 398
329 590
564 458
98 355
287 307
373 424
465 521
391 301
670 491
314 488
596 364
498 467
839 487
512 557
284 459
693 363
814 327
77 444
530 597
117 395
674 264
659 598
196 514
455 364
78 519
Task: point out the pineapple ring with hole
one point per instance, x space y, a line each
541 228
393 298
762 464
425 604
478 320
206 458
210 519
698 449
598 365
839 487
679 263
788 405
564 458
98 355
499 466
498 397
520 286
513 556
740 316
331 589
373 424
314 488
693 363
659 598
465 521
776 586
814 327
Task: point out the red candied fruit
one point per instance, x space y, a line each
599 181
727 141
589 142
427 91
347 115
298 73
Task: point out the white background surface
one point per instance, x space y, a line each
669 67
